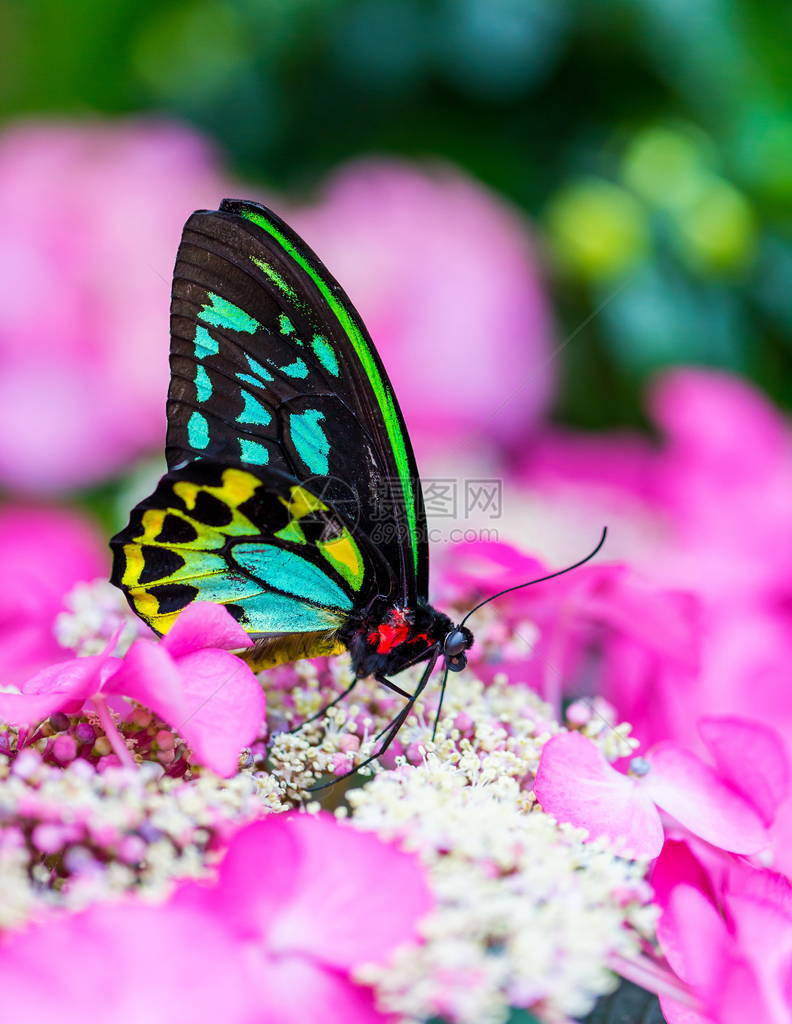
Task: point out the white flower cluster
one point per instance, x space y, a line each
94 612
73 835
527 913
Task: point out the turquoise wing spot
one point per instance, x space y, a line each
260 374
297 369
205 344
277 613
287 571
253 452
198 431
219 312
310 440
253 412
225 587
247 379
203 385
323 351
258 369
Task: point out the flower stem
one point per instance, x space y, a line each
654 978
120 748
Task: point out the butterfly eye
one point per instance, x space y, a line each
455 643
456 662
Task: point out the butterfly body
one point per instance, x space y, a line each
283 437
387 638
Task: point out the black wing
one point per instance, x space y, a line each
272 367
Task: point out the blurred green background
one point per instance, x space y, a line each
650 141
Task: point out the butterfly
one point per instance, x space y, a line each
292 495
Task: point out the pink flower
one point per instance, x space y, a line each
728 934
445 277
642 633
189 679
727 806
92 215
130 963
684 507
305 901
703 512
725 478
43 552
298 904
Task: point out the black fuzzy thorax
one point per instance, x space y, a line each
425 630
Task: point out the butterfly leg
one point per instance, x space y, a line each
392 686
403 693
440 702
326 708
396 689
392 728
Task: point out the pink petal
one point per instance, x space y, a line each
713 965
576 784
256 879
225 708
210 697
701 935
664 621
77 677
203 625
29 709
493 565
719 417
695 795
675 866
139 963
738 998
150 676
751 757
61 687
768 888
45 551
759 904
356 898
676 1013
295 991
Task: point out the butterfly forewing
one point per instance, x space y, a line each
273 369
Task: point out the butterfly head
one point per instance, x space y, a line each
456 642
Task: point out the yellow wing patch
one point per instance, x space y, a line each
188 554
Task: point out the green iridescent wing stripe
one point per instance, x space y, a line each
271 366
279 558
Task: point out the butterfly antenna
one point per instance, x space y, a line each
541 579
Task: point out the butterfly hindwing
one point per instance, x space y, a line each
272 368
257 541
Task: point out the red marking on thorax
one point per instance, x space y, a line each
387 637
394 632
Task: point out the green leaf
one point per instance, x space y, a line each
629 1004
518 1016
